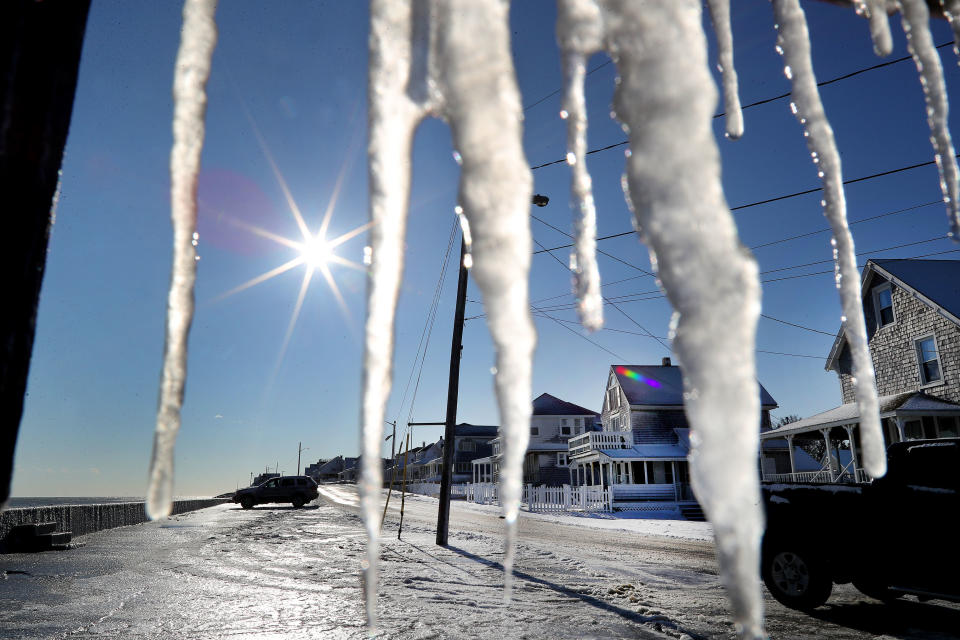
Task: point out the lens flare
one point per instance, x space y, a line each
633 375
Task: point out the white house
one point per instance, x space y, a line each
553 422
641 451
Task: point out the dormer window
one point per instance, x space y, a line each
929 360
883 305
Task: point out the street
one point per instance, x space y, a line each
276 572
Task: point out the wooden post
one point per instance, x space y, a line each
40 45
793 464
403 495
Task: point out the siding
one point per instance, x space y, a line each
893 352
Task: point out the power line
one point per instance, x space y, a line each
637 333
553 93
822 83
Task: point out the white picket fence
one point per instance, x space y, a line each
565 498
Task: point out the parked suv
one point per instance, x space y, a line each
298 490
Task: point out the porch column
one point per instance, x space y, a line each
646 478
673 473
853 450
793 464
826 441
900 431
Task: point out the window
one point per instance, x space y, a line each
883 305
929 360
562 460
286 482
534 431
578 422
565 430
913 430
947 427
468 445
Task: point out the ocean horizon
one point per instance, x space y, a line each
41 501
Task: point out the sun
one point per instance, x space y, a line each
316 252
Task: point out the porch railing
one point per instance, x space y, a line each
823 476
586 442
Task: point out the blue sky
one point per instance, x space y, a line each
299 70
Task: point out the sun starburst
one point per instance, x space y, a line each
315 252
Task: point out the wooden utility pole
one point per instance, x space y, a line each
453 390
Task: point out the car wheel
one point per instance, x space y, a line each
877 591
796 578
246 502
298 502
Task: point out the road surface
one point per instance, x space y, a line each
276 572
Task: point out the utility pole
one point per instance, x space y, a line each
393 439
300 449
453 390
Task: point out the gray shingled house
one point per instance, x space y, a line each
912 312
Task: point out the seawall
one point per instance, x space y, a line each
87 518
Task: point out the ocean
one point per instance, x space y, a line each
21 503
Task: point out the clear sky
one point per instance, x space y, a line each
296 72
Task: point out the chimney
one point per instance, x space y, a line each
666 362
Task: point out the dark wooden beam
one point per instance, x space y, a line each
40 45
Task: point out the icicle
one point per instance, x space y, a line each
482 105
916 19
876 12
951 9
577 45
452 58
720 16
794 44
665 97
399 39
197 40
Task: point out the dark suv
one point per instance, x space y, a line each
297 490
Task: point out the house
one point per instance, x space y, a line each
330 470
552 423
471 441
912 313
641 451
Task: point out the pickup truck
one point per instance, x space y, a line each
894 536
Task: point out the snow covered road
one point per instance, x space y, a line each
275 572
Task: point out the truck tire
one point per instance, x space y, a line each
796 577
246 502
298 502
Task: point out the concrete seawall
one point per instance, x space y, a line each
87 518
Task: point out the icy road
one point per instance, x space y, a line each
275 572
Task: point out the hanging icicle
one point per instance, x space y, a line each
793 43
578 45
197 40
449 58
916 24
720 16
876 12
665 98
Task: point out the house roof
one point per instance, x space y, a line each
936 283
548 405
478 430
904 403
661 386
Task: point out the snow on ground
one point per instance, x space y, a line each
666 523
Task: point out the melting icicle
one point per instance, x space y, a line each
197 40
720 16
578 43
665 98
876 12
452 59
794 43
916 24
951 9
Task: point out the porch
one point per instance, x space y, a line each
906 416
638 476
